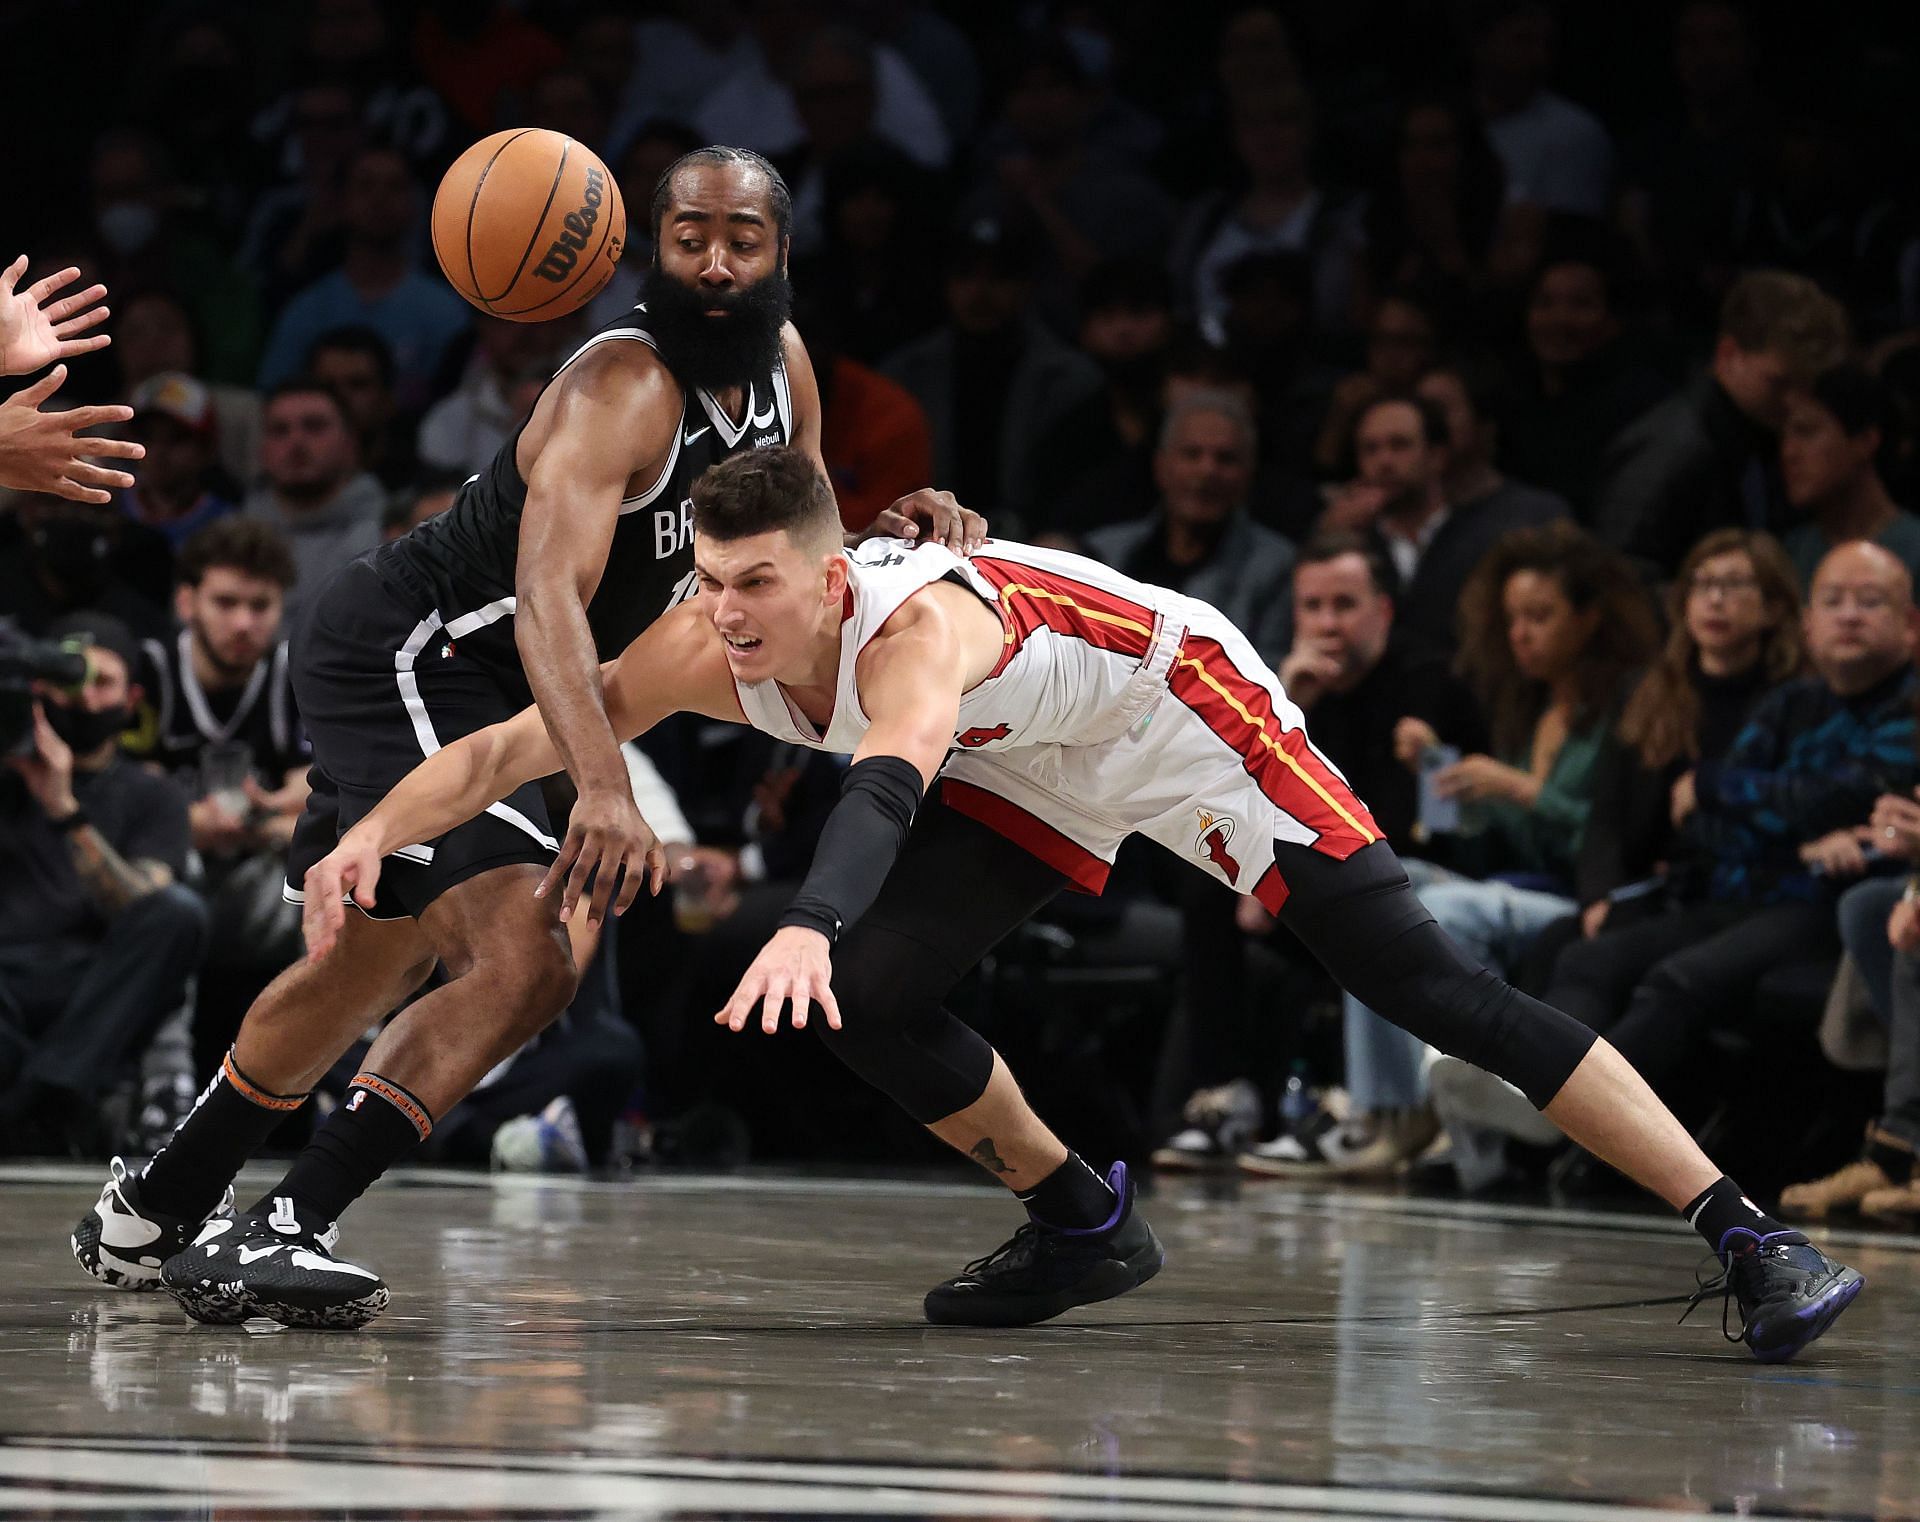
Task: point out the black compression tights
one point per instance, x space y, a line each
959 887
1367 926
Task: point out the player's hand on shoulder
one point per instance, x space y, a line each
932 517
610 845
795 966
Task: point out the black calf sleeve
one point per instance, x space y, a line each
1363 920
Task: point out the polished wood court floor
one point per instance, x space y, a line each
753 1347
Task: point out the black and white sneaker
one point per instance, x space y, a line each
273 1264
1217 1124
1317 1148
1042 1270
122 1241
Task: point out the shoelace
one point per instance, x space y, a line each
1028 1239
1720 1284
1767 1262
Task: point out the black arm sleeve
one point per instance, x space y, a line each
862 837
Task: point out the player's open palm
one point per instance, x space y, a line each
795 966
352 867
609 851
36 330
44 451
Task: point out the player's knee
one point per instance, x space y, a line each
530 983
923 1059
413 979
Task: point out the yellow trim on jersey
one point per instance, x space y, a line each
1256 724
1133 626
1259 727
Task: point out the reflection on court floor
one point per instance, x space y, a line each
753 1347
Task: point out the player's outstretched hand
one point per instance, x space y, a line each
41 451
607 844
795 966
35 330
935 517
353 867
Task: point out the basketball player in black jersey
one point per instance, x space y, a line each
573 540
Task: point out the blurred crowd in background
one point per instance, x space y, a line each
1537 385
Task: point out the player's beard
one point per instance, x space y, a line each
716 353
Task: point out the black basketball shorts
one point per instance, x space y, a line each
383 681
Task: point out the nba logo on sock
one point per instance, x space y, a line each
358 1096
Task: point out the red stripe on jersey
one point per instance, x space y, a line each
1272 890
1031 598
1240 711
1030 832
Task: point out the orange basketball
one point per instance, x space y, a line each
528 224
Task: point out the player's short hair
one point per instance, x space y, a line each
233 543
779 198
760 491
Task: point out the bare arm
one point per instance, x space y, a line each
670 667
611 419
910 685
804 387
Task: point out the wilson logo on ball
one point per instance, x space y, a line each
564 252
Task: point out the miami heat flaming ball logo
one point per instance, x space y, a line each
1216 830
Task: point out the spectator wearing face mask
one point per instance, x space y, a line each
97 937
148 242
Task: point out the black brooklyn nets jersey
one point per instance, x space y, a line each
464 559
178 719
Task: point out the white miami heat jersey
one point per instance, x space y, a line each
1117 708
1086 651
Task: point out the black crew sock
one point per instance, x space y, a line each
1072 1197
1721 1207
229 1122
378 1124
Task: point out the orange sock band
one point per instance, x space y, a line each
253 1093
399 1098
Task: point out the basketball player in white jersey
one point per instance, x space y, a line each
1064 707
